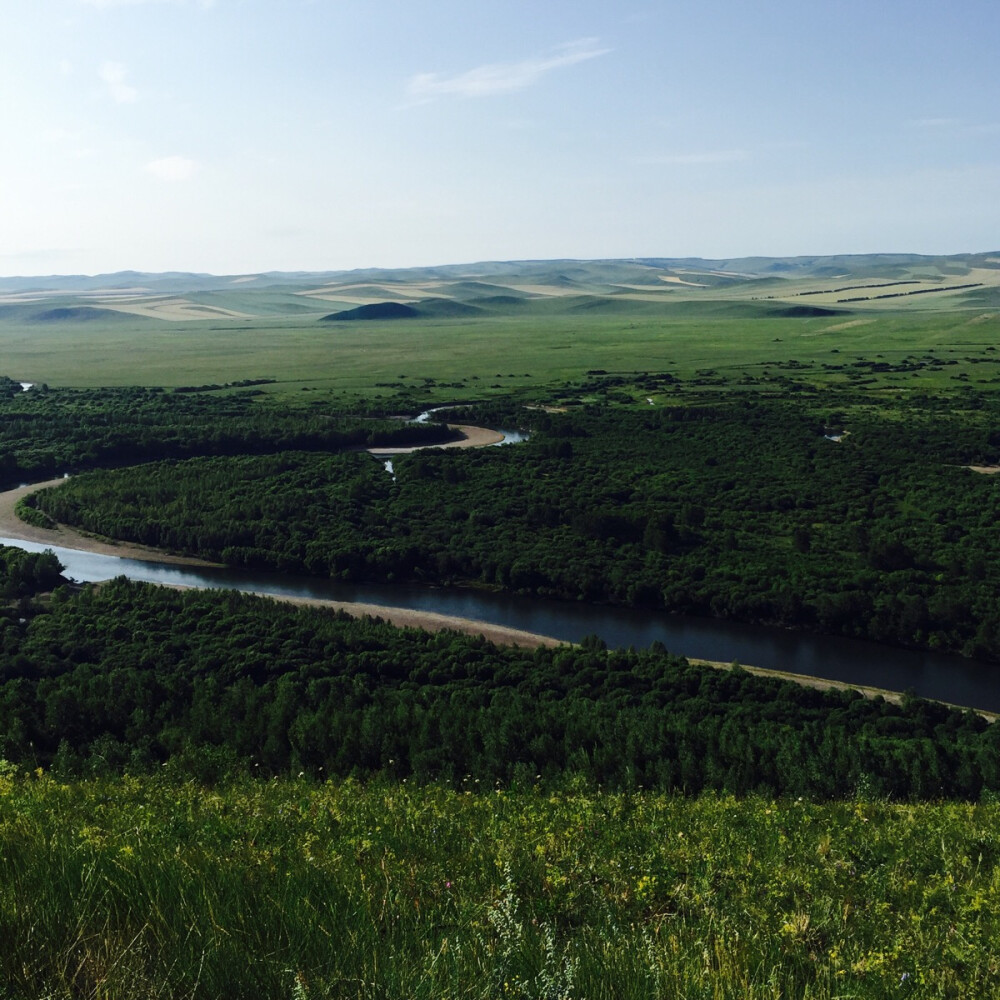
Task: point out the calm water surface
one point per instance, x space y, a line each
931 675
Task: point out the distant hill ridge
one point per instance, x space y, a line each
565 272
794 287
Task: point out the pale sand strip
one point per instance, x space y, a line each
11 526
472 437
430 621
824 684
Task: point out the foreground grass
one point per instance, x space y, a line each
158 887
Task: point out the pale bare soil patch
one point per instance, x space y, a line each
986 470
364 295
987 275
556 290
848 325
672 279
716 274
173 310
45 296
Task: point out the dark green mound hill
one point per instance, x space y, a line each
807 311
78 314
427 309
375 310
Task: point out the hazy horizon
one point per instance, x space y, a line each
476 263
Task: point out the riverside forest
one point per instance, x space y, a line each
209 793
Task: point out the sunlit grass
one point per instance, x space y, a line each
492 355
157 887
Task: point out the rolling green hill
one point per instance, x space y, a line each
559 318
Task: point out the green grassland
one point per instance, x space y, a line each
514 326
160 887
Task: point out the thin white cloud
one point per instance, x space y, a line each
113 74
172 168
695 159
503 78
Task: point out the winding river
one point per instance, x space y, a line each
938 676
931 675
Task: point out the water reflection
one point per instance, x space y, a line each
930 675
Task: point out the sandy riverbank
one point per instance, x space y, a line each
472 437
429 621
11 526
824 684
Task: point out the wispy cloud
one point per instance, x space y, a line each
503 78
172 168
694 159
113 74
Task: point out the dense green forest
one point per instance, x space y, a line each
128 676
46 432
740 507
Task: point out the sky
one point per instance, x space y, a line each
238 136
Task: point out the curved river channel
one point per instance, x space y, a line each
939 676
930 675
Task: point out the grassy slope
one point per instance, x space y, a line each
153 887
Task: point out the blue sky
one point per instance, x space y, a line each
244 135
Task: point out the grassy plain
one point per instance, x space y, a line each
491 355
517 329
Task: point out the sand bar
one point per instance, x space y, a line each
472 437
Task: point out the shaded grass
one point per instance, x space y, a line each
159 887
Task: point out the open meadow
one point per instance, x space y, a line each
494 329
